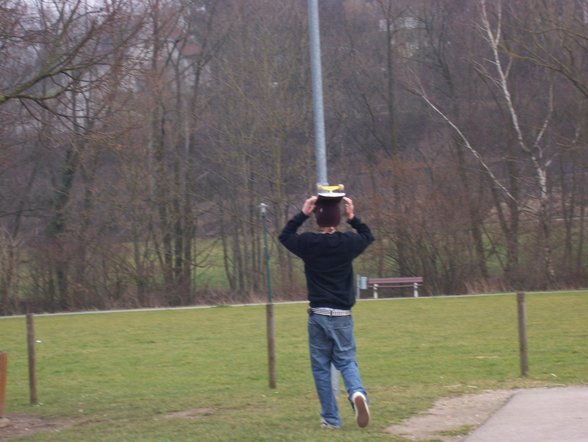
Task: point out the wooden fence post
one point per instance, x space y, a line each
3 376
271 344
523 349
32 359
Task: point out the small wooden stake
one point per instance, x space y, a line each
32 359
271 344
3 376
523 349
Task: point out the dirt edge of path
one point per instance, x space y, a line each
452 419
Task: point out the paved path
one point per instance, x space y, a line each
539 415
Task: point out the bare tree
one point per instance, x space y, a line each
61 39
261 144
59 59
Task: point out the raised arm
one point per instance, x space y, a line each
289 238
365 237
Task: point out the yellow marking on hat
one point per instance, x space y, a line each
338 187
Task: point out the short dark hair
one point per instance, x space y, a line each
327 210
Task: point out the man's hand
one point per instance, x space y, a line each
308 206
348 208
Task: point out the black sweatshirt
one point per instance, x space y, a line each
328 260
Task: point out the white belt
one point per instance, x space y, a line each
326 311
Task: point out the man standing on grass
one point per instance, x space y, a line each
328 257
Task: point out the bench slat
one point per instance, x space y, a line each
399 280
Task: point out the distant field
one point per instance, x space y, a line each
122 376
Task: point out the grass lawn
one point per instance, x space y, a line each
122 376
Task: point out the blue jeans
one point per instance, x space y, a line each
331 341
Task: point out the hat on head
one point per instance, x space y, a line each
327 210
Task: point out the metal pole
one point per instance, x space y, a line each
269 308
317 93
319 117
